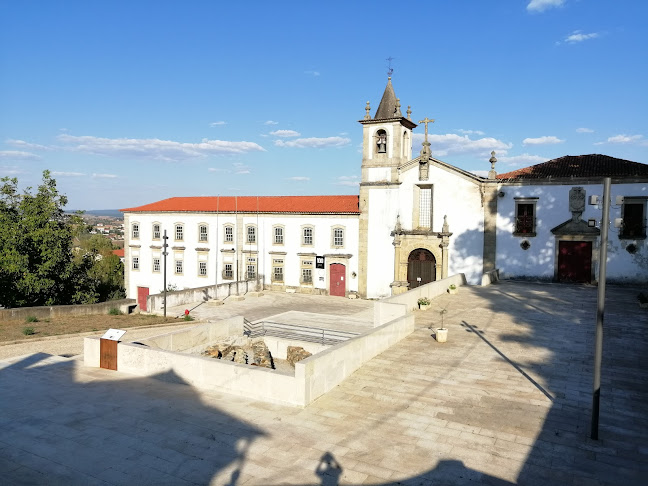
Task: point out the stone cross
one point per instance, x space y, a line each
426 121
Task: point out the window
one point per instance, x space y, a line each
178 266
135 263
307 236
381 141
277 269
338 237
229 234
634 219
179 232
135 231
425 207
251 272
228 272
278 235
525 210
156 231
251 234
307 275
202 232
156 265
202 269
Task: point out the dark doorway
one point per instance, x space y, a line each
420 264
575 261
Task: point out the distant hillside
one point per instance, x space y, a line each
114 213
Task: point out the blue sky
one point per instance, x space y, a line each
132 102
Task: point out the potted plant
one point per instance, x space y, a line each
453 289
441 333
423 303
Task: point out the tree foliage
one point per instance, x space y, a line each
37 263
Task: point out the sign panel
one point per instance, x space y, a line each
113 334
319 262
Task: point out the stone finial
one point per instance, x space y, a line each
397 110
445 228
409 112
367 109
491 173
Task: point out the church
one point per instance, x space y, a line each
415 220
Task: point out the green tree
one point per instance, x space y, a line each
105 270
37 264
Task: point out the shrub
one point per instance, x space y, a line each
28 331
424 301
114 311
452 286
187 317
31 319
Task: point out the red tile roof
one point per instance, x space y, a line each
252 204
119 253
593 165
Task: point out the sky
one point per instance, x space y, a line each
128 103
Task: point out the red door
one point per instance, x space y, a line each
575 261
142 294
338 286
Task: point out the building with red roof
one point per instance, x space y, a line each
416 219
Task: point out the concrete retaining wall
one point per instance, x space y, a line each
193 338
430 290
324 371
155 302
313 377
43 312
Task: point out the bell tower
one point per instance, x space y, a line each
387 139
386 146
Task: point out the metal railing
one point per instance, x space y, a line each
294 331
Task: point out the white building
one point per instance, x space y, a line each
414 221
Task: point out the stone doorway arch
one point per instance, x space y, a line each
421 264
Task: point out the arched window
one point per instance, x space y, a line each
135 231
202 232
381 141
307 235
278 235
229 233
156 231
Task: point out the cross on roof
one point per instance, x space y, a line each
426 121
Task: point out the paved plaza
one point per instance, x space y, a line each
505 401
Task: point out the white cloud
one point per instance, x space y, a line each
285 133
67 174
347 181
584 130
243 171
542 5
271 122
521 160
546 140
578 36
299 178
625 139
315 142
17 155
471 132
104 176
480 173
26 145
218 169
217 123
155 149
10 170
312 73
451 143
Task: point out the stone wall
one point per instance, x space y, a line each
44 312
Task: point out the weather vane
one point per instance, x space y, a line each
390 69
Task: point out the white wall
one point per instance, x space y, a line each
383 209
322 244
552 209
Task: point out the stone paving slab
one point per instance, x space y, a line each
505 401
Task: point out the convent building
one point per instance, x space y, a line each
415 220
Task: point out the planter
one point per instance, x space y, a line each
453 291
441 334
424 306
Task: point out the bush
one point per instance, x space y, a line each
452 286
31 319
424 301
28 331
114 311
187 317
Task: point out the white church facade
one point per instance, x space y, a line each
415 220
